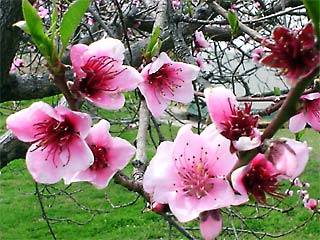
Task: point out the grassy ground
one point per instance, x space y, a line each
85 213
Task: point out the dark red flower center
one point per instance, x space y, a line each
166 80
100 157
99 71
259 180
240 124
53 135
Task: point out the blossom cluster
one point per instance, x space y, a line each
196 175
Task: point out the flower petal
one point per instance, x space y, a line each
220 102
297 123
49 167
110 47
22 123
76 55
210 224
156 102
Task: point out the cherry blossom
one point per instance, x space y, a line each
111 154
257 54
18 62
236 124
258 178
293 51
189 174
57 136
200 40
312 204
310 114
210 224
288 156
100 75
43 12
165 80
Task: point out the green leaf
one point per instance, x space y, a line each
234 24
154 38
71 20
300 134
189 8
156 48
54 20
22 25
276 91
313 9
34 25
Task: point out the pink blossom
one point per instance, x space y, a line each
288 156
43 12
57 136
257 54
100 75
310 114
258 178
200 40
210 224
111 154
165 80
16 64
175 4
257 5
189 174
236 124
199 60
311 204
292 51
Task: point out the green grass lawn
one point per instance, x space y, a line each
85 212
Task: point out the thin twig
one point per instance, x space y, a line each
44 214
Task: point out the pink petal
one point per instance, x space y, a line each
210 224
76 55
218 147
183 94
75 157
111 101
181 208
158 63
297 123
248 143
99 134
110 47
120 153
155 179
219 101
188 72
294 158
237 182
200 39
22 122
156 102
311 96
80 121
100 179
127 80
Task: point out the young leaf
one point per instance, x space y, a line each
313 9
54 20
71 20
154 37
277 91
34 25
233 21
